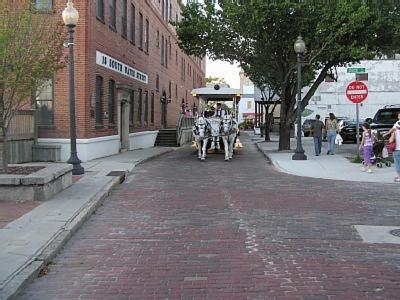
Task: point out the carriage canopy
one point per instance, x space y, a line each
216 94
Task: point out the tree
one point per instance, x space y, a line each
216 80
31 52
260 34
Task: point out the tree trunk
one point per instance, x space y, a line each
286 124
4 150
267 127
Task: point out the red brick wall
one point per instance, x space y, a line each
91 35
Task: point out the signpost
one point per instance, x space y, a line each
357 92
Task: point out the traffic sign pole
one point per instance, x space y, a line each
358 128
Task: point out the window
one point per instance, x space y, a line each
157 83
169 48
152 108
166 52
176 56
176 90
146 36
158 39
170 12
111 102
132 25
140 107
249 105
170 89
146 106
44 104
140 31
163 9
124 17
112 14
132 108
99 100
100 10
162 50
43 5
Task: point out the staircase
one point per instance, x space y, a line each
166 138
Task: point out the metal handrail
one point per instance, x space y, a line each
183 123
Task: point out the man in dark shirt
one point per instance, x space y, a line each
316 129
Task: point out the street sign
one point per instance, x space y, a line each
355 70
357 91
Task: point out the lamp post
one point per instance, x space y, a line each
70 17
299 48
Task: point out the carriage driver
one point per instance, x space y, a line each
219 112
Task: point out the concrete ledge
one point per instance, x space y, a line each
38 186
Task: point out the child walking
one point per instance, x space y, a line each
366 144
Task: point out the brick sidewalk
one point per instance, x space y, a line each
182 229
10 211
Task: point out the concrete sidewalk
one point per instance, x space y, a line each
29 243
336 167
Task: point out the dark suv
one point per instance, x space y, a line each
385 118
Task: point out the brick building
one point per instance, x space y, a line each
131 78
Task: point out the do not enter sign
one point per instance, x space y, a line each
357 91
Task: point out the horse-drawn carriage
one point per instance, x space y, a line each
216 130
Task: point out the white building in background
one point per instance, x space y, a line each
246 105
383 88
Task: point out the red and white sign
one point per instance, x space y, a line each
357 91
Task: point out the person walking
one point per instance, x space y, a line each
316 129
366 145
395 131
331 131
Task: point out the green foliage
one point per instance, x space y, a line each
31 51
259 34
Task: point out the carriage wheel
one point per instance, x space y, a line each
379 165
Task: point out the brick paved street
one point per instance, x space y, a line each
183 229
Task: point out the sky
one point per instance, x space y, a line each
224 70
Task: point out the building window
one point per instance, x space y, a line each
157 83
170 12
162 50
43 5
163 9
124 18
170 89
113 17
152 108
158 39
146 106
99 100
111 102
176 56
132 24
166 53
100 10
44 104
140 43
146 36
140 107
249 105
176 90
132 108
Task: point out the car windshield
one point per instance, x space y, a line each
386 116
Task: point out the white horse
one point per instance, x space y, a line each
229 132
201 135
215 125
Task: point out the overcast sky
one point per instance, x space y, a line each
224 70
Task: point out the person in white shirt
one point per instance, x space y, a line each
396 154
219 112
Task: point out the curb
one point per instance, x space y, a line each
43 258
53 246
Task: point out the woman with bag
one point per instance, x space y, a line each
395 139
331 131
366 145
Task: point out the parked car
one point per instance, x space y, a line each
349 130
385 118
306 127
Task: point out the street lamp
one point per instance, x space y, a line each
70 17
299 48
